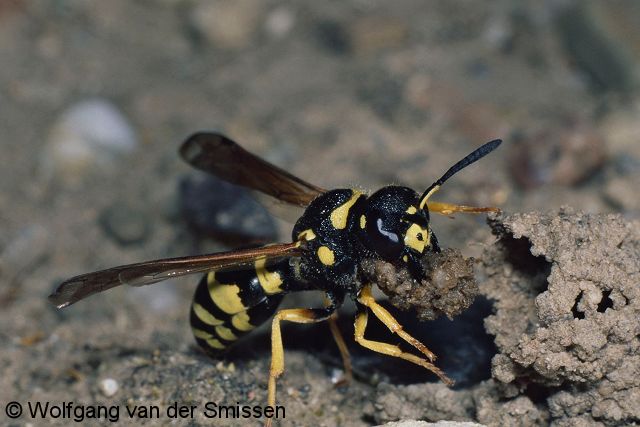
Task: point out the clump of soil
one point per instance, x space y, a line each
448 288
566 325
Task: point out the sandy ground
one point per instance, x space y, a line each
342 94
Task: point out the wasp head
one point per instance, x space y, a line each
395 222
394 228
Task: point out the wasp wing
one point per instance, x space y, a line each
216 154
146 273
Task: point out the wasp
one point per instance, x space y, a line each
339 229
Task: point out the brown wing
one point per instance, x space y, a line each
220 156
146 273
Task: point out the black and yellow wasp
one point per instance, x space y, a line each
338 230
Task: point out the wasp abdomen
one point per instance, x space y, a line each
230 304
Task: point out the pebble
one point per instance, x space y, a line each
227 24
125 224
91 134
224 211
279 22
337 375
109 387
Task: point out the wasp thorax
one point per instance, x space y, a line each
391 225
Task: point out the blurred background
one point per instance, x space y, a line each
96 97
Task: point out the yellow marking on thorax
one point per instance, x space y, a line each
363 221
411 210
270 281
205 316
240 321
326 255
209 339
225 333
340 214
411 237
226 297
307 235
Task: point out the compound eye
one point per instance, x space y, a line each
386 243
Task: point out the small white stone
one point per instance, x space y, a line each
109 387
337 375
227 24
90 133
279 22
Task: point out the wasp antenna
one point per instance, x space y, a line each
469 159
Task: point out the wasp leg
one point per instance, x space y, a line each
365 300
296 315
344 351
449 208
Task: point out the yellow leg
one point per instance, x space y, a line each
299 315
344 351
366 299
449 208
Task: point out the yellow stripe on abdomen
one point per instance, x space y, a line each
226 298
241 322
225 333
269 281
205 316
209 339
